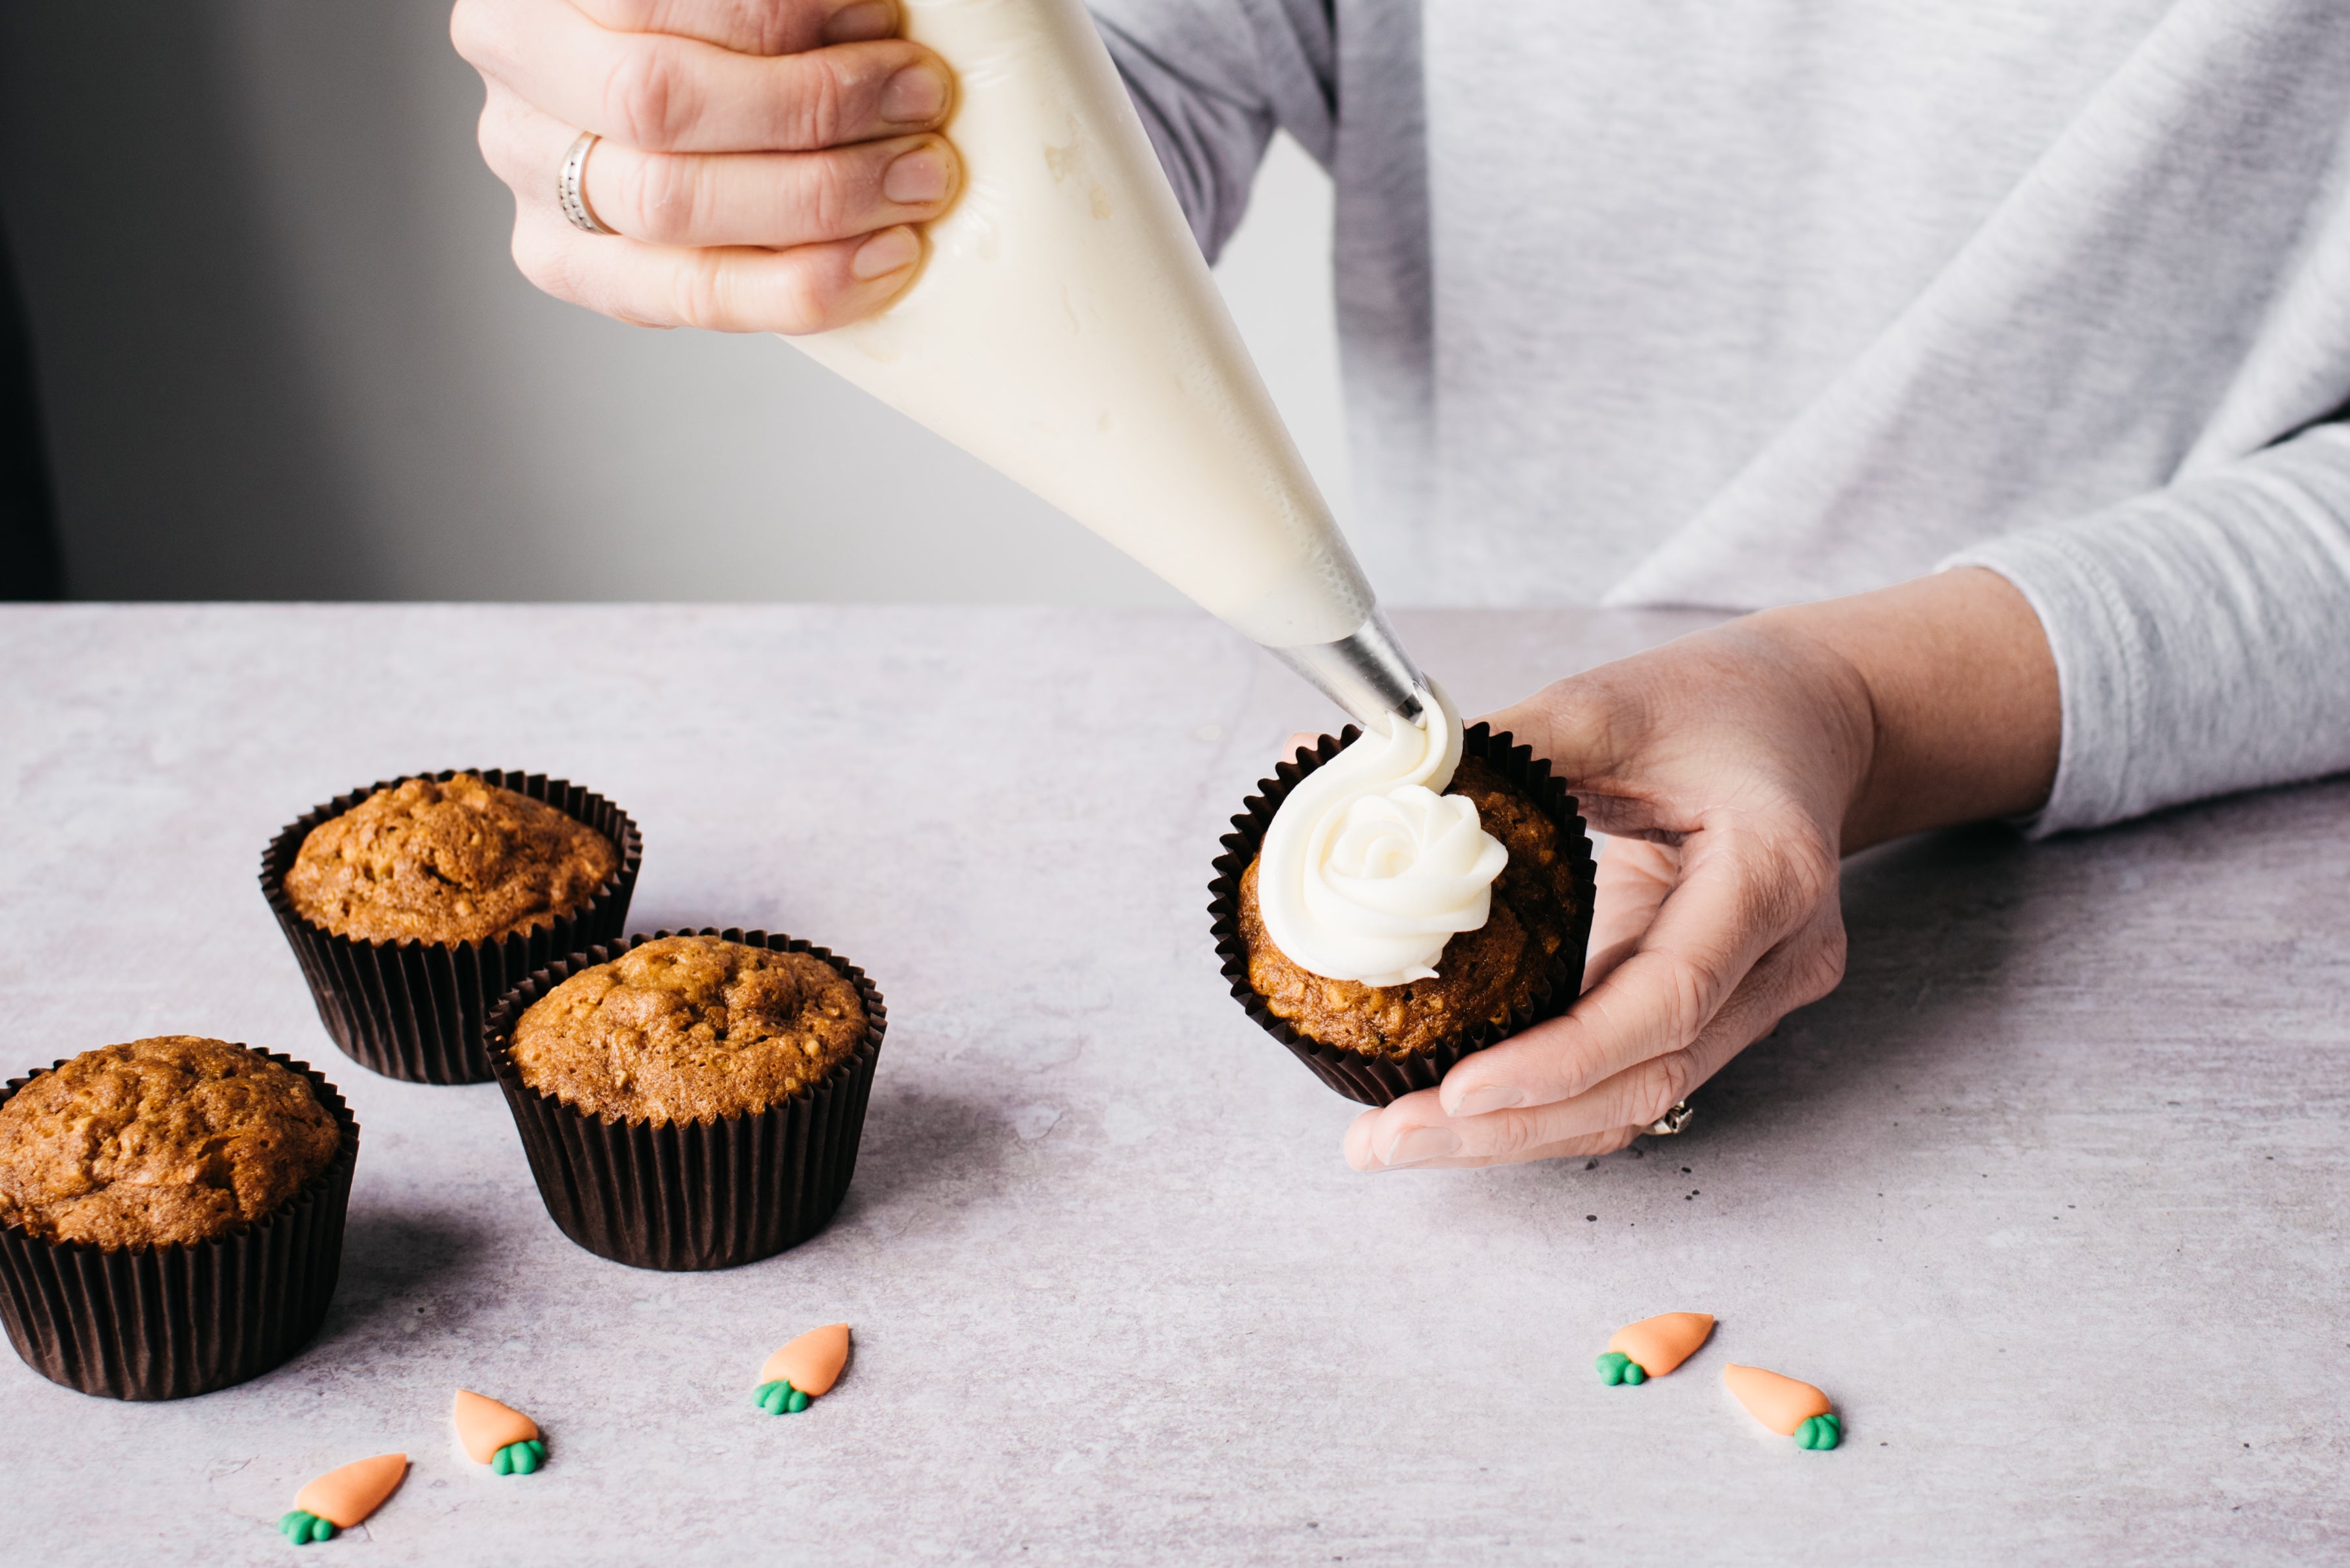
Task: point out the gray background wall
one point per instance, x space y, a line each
283 352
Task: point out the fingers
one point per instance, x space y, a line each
1584 725
1707 934
833 244
772 199
1371 1141
1787 978
670 94
1634 877
809 289
751 26
1417 1131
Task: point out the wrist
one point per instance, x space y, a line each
1838 706
1965 716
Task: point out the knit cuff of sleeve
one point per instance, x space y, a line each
2197 633
2078 607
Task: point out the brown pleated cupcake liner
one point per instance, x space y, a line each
1381 1080
692 1195
415 1010
169 1322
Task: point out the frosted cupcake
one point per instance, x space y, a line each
1396 901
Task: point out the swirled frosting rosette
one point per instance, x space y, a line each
1368 869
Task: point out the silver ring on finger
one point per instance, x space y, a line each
571 188
1672 1121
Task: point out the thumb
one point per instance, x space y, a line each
1581 724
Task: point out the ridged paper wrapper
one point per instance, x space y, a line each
692 1195
414 1009
168 1321
1380 1080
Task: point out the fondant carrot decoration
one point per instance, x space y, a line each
498 1436
1790 1408
1653 1347
340 1498
802 1370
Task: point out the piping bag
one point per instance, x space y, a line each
1065 330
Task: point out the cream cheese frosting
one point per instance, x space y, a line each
1368 867
1065 330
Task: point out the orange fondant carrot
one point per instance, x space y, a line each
805 1368
344 1497
1790 1408
1657 1345
811 1362
484 1426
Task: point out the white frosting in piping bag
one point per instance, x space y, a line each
1368 867
1065 330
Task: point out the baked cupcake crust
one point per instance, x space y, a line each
459 860
170 1140
689 1029
1484 976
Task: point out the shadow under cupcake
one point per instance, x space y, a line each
171 1214
412 905
1375 1043
691 1100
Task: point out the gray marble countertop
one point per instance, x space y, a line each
2051 1195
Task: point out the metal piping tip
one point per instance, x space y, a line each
1367 673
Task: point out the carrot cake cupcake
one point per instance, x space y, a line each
691 1100
415 904
1387 907
205 1184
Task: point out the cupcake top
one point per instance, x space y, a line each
1521 951
164 1142
689 1029
454 861
1366 869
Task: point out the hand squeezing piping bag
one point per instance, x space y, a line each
1065 330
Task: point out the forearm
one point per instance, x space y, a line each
1963 721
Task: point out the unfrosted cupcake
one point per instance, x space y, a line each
171 1214
691 1100
1408 926
689 1029
415 904
447 860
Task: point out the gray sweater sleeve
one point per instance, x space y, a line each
1213 80
2201 632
